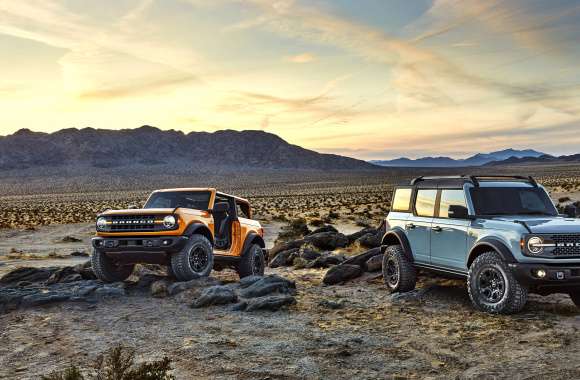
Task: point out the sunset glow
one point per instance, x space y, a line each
369 79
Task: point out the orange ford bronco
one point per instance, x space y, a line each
192 231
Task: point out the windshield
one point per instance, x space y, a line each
512 201
197 200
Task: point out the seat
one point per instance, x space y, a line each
222 225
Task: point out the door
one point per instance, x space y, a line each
449 236
418 225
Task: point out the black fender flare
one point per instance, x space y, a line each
199 228
490 244
397 236
254 238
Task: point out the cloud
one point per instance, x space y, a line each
302 58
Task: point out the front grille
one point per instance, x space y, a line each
566 245
134 223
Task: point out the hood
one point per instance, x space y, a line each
546 225
139 211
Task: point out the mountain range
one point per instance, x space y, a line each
475 160
148 146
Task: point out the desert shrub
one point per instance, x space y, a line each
118 364
563 199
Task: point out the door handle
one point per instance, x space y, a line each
409 226
437 229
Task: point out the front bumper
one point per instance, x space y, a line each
559 278
147 244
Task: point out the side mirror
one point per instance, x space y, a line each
132 207
571 211
221 207
458 212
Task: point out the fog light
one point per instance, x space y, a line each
166 242
540 273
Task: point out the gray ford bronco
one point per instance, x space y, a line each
501 233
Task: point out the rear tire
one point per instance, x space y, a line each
195 260
492 286
399 274
575 297
108 270
252 263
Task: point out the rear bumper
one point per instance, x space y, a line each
147 244
558 279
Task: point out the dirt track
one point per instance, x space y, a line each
434 335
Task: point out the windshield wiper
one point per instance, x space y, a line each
536 213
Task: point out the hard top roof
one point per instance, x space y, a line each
212 189
460 180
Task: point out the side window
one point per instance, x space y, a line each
425 203
402 200
450 198
243 210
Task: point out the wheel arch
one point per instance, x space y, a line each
254 238
398 237
490 244
200 229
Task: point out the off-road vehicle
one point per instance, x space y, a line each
501 233
192 231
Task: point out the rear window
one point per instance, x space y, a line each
402 200
425 203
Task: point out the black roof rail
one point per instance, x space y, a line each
475 178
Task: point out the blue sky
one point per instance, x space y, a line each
369 78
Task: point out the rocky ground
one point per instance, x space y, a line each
317 324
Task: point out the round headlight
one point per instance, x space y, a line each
169 221
535 245
102 223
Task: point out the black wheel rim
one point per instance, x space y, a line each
198 259
392 273
491 285
257 265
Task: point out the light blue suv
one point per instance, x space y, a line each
502 233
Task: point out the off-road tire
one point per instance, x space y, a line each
575 297
396 260
183 262
512 298
252 262
107 270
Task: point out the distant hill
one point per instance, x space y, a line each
147 145
545 159
447 162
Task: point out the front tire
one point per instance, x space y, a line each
399 274
195 260
107 270
252 263
492 286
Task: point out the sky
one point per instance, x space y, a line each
371 79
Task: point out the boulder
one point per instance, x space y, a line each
39 299
341 273
353 237
178 287
369 240
284 258
85 270
326 260
79 254
362 258
268 285
28 274
159 289
308 254
327 240
216 295
247 281
109 292
374 264
270 303
294 244
326 228
300 263
60 274
331 304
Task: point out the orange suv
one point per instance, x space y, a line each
190 230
